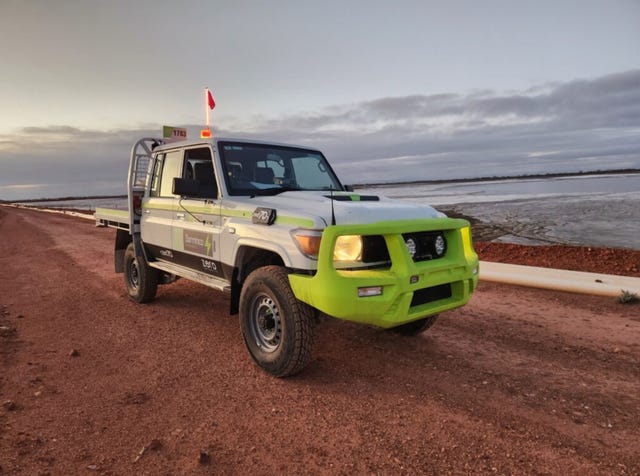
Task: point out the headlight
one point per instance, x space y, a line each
348 248
308 242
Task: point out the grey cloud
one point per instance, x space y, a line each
556 127
413 106
592 116
71 161
52 130
523 106
617 94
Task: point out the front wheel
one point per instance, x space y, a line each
140 278
416 327
278 330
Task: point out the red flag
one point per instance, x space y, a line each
210 100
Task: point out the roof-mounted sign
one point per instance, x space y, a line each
173 134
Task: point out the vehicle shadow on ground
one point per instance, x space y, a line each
349 354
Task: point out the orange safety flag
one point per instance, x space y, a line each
210 100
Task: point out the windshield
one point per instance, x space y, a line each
259 169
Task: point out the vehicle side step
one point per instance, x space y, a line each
202 278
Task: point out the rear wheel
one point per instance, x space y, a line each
278 329
140 278
416 327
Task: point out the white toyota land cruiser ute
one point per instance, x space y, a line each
272 224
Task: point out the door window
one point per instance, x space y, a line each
171 169
154 189
198 166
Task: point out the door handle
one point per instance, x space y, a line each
147 211
180 215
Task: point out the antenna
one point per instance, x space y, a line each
333 213
185 209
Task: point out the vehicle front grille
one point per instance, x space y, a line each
423 247
374 249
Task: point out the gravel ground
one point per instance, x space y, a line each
519 381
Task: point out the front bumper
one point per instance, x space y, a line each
410 290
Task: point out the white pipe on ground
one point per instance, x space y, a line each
545 278
558 279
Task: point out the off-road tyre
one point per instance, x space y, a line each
416 327
278 330
141 279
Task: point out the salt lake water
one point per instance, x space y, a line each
592 210
512 189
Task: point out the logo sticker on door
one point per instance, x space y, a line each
198 242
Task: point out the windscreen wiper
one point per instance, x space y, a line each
273 191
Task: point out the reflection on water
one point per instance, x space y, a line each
89 204
514 189
600 210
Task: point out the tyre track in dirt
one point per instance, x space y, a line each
519 381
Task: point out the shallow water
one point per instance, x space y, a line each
83 203
512 189
599 210
611 221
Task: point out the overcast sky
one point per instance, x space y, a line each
389 90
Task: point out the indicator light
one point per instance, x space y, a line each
370 291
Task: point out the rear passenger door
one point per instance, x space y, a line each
197 221
158 206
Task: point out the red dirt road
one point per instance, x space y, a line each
519 381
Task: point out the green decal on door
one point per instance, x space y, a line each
198 242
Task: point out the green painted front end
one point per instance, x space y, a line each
335 292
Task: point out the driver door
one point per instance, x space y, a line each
197 220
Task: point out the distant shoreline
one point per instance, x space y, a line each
62 199
497 178
387 184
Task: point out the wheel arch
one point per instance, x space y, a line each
248 258
123 238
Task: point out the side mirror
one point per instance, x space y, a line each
348 188
185 187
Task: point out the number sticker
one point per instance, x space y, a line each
264 216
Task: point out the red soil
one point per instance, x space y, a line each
519 381
625 262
